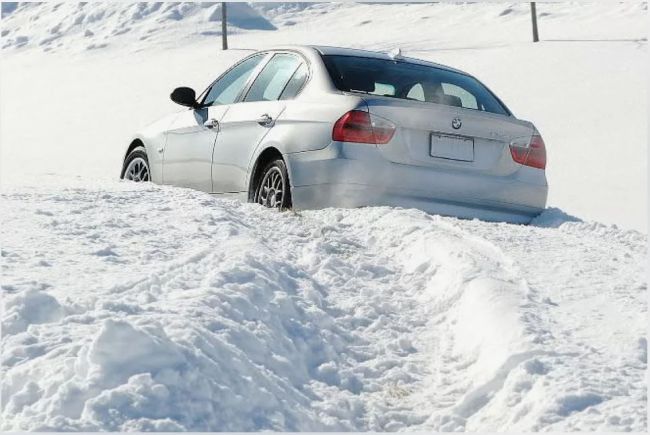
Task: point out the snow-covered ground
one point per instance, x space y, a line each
141 307
131 307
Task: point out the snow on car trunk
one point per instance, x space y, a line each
170 309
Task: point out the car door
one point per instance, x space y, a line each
246 123
187 154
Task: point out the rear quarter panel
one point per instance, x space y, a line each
306 125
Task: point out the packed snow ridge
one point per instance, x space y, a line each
140 307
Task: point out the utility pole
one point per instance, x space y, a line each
533 16
224 26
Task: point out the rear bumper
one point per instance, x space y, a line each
357 175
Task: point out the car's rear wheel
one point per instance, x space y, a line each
273 190
136 166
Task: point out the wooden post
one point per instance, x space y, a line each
533 16
224 26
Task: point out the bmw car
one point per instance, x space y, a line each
310 127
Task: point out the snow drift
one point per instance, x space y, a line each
58 26
131 307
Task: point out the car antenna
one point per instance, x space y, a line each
396 53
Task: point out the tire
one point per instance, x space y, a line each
136 166
272 189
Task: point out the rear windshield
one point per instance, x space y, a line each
411 81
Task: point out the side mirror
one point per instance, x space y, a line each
184 96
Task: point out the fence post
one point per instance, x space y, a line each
533 16
224 26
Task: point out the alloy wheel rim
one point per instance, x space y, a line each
271 191
137 170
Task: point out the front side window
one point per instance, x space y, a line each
405 80
227 88
271 81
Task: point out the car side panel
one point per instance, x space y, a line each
188 151
239 134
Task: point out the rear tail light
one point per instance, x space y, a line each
530 152
362 127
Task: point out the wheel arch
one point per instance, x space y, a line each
267 155
135 143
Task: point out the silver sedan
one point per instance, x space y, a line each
312 127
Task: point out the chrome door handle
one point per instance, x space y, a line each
211 123
265 119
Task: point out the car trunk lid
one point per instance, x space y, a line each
447 137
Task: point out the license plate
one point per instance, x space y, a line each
451 147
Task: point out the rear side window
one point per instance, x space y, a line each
296 83
270 83
229 86
405 80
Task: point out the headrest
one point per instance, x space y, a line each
451 100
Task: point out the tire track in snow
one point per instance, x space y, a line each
591 289
421 276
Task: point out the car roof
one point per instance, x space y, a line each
343 51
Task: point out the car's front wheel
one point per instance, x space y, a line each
273 190
136 166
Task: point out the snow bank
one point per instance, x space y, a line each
80 26
73 26
216 315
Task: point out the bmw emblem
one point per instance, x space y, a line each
456 123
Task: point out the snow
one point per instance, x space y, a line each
152 308
88 25
213 314
31 307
